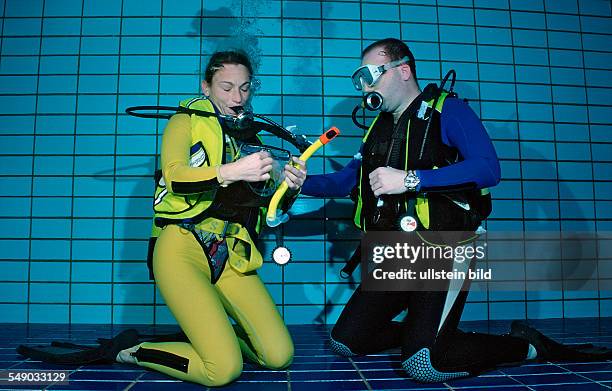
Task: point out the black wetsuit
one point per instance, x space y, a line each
433 348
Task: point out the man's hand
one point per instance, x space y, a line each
295 176
387 180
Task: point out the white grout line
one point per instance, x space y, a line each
578 374
288 380
135 381
360 374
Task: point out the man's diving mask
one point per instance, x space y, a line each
369 74
280 157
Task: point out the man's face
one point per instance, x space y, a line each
388 84
230 86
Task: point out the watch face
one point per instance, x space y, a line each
411 181
281 255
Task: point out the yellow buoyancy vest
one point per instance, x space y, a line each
207 150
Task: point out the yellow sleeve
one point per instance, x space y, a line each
181 178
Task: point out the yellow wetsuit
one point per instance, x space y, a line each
182 270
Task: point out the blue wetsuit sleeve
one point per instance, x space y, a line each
337 184
462 129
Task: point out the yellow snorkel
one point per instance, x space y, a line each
275 217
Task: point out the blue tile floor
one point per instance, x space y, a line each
314 367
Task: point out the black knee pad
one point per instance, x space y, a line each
419 367
339 345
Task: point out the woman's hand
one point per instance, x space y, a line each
295 176
253 168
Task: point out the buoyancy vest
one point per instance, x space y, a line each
439 210
208 149
209 210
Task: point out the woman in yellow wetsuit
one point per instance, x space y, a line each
204 258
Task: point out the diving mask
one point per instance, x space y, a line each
369 74
280 157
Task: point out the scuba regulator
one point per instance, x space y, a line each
242 126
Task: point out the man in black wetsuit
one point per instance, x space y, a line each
430 176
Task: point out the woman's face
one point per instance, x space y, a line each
230 86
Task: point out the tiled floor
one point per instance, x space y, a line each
315 368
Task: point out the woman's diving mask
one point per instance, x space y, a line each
280 158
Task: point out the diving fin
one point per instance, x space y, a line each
174 337
71 354
550 350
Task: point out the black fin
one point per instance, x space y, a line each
60 355
551 350
71 354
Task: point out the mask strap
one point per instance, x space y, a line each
396 63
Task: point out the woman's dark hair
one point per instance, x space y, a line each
227 57
395 50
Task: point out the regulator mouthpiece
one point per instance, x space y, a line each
372 101
243 119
